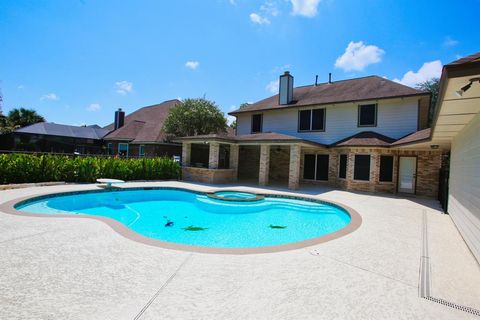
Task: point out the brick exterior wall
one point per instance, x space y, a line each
205 175
294 168
264 169
279 163
428 166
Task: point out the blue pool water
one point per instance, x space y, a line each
235 195
196 219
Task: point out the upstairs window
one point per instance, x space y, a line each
257 120
386 168
311 120
367 115
362 167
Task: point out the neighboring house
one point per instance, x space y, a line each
354 134
55 138
140 133
457 122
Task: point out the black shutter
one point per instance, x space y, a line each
362 167
304 121
309 167
343 166
318 119
322 167
386 168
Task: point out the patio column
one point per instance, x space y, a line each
294 170
264 165
234 152
186 152
214 150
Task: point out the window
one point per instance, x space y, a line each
123 149
257 120
311 120
367 115
315 167
386 168
110 149
342 171
141 150
362 167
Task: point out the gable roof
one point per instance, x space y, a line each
359 89
62 130
422 135
365 139
144 125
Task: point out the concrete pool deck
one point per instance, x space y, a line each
57 268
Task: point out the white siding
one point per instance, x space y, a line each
464 193
395 119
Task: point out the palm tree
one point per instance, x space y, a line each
19 118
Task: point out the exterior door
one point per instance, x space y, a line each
407 174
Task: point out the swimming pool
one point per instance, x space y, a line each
194 219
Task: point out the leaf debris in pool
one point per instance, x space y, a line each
276 227
193 228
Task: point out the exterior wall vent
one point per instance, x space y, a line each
119 118
285 94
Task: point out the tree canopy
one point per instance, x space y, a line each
19 118
433 86
195 117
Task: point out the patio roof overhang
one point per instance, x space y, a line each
456 108
268 138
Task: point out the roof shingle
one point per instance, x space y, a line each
359 89
144 125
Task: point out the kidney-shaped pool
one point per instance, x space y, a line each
196 219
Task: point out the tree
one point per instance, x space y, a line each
433 86
194 117
19 118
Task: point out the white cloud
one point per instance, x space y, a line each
270 8
256 18
21 87
272 87
193 65
429 70
358 55
50 97
449 42
123 87
306 8
93 107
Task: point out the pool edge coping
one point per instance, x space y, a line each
355 222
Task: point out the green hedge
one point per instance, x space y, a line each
29 168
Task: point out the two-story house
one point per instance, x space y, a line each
358 134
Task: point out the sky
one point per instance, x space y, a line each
77 61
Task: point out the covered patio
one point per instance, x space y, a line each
264 157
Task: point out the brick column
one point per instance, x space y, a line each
186 151
264 165
294 170
234 152
214 150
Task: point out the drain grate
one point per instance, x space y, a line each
454 306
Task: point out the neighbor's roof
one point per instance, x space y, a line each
365 139
62 130
359 89
144 125
468 59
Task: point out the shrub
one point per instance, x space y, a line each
28 168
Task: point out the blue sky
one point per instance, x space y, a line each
76 62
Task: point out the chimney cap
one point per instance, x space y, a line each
119 109
286 73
